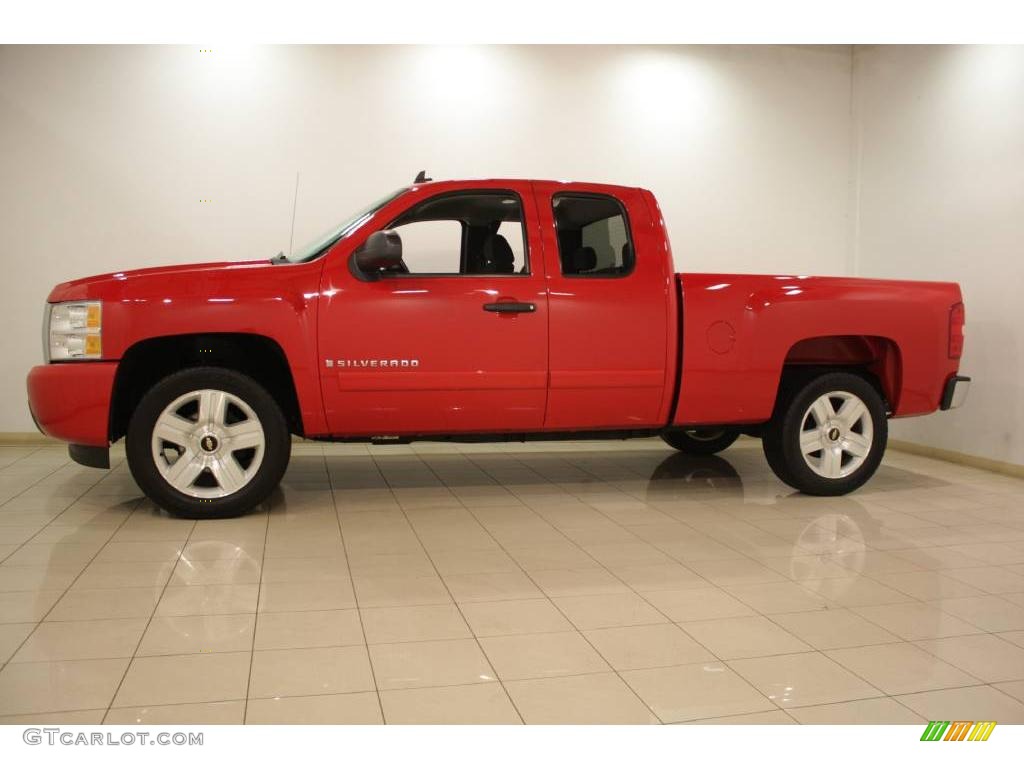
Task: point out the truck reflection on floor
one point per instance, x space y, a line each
693 509
681 476
825 543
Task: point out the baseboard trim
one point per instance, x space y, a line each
26 438
955 457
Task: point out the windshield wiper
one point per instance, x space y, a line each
280 259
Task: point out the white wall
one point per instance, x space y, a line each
941 196
883 161
106 152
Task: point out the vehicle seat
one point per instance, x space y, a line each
582 260
498 258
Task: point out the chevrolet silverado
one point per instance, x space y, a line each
484 310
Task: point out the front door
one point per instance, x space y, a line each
455 339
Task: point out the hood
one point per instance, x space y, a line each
134 283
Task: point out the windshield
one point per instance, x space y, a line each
318 245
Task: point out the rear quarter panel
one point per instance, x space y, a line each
738 330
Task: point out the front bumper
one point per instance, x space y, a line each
71 401
954 394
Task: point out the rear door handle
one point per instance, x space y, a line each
510 306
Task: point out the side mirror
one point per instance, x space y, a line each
382 252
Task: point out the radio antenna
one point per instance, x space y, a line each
295 202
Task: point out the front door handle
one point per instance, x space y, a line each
510 306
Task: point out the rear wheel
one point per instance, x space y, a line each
828 436
208 442
700 441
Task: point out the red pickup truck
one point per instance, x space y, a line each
484 310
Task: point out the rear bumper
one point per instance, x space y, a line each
71 401
954 394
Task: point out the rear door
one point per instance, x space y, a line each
458 341
611 308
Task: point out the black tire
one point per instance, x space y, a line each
265 477
701 442
781 438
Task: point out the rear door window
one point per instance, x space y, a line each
593 236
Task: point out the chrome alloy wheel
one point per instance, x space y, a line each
836 434
208 444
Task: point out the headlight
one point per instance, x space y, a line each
73 330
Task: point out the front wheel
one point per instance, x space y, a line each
700 441
827 438
207 443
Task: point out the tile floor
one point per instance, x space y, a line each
547 583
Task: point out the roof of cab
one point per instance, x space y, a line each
565 182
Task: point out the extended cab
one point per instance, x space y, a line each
478 310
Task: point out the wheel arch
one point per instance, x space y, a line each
148 361
876 358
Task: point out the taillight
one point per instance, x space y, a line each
956 331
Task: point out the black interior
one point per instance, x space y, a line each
484 251
497 257
582 259
572 214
